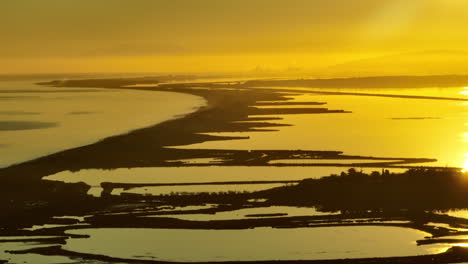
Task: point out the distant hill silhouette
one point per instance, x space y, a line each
369 82
434 62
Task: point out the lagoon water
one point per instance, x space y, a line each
6 247
94 177
193 189
258 244
36 120
377 126
254 212
208 174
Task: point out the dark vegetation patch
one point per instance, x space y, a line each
361 199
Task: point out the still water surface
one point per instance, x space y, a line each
36 121
94 177
252 244
255 212
377 126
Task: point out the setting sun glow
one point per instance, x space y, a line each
234 131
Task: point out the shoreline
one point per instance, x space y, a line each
223 111
61 116
150 147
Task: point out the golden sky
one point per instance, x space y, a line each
220 35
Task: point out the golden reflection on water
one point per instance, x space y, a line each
465 136
375 126
460 245
465 91
81 117
258 244
465 165
450 245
